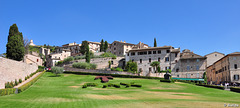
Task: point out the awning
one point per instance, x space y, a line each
191 79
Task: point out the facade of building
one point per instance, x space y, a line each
120 48
225 70
213 57
33 59
94 46
190 65
166 55
44 51
53 58
74 48
31 43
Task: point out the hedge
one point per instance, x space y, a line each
113 75
27 85
166 80
235 89
212 86
7 91
89 85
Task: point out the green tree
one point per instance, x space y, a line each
131 66
83 48
155 65
88 58
105 46
102 46
205 77
15 45
155 42
57 70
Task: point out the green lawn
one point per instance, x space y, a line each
66 92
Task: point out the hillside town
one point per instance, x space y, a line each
218 67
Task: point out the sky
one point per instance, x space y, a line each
203 26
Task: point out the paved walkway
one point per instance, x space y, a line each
19 85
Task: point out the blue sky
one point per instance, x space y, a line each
203 26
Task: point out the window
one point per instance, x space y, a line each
236 77
188 75
112 62
114 49
149 52
132 60
197 75
119 52
159 59
197 60
176 61
177 70
168 51
188 67
133 53
159 51
154 52
149 60
114 43
216 55
37 60
140 60
127 54
177 75
197 67
150 69
176 54
235 66
166 59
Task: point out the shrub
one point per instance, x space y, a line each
7 91
104 86
89 85
27 85
117 69
11 84
131 67
40 68
68 59
79 57
116 85
166 80
7 85
20 80
16 82
235 89
57 70
25 78
136 85
84 65
59 63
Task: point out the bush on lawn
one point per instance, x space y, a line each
40 69
84 65
235 89
117 69
136 85
212 86
7 91
57 70
89 85
27 85
166 80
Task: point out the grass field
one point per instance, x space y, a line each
66 91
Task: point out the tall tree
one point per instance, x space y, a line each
83 47
102 46
105 46
155 65
88 58
15 45
155 42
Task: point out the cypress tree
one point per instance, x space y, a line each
155 42
102 46
87 54
105 46
83 47
15 45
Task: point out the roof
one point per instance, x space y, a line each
190 55
234 53
124 43
94 42
175 50
215 52
151 48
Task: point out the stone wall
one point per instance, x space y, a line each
102 63
11 70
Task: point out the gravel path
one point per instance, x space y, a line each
19 85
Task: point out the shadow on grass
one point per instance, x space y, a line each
54 76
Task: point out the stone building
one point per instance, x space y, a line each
31 43
213 57
190 65
53 58
166 55
33 58
74 48
94 46
120 48
225 70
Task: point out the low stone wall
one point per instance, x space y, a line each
11 70
191 74
96 71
